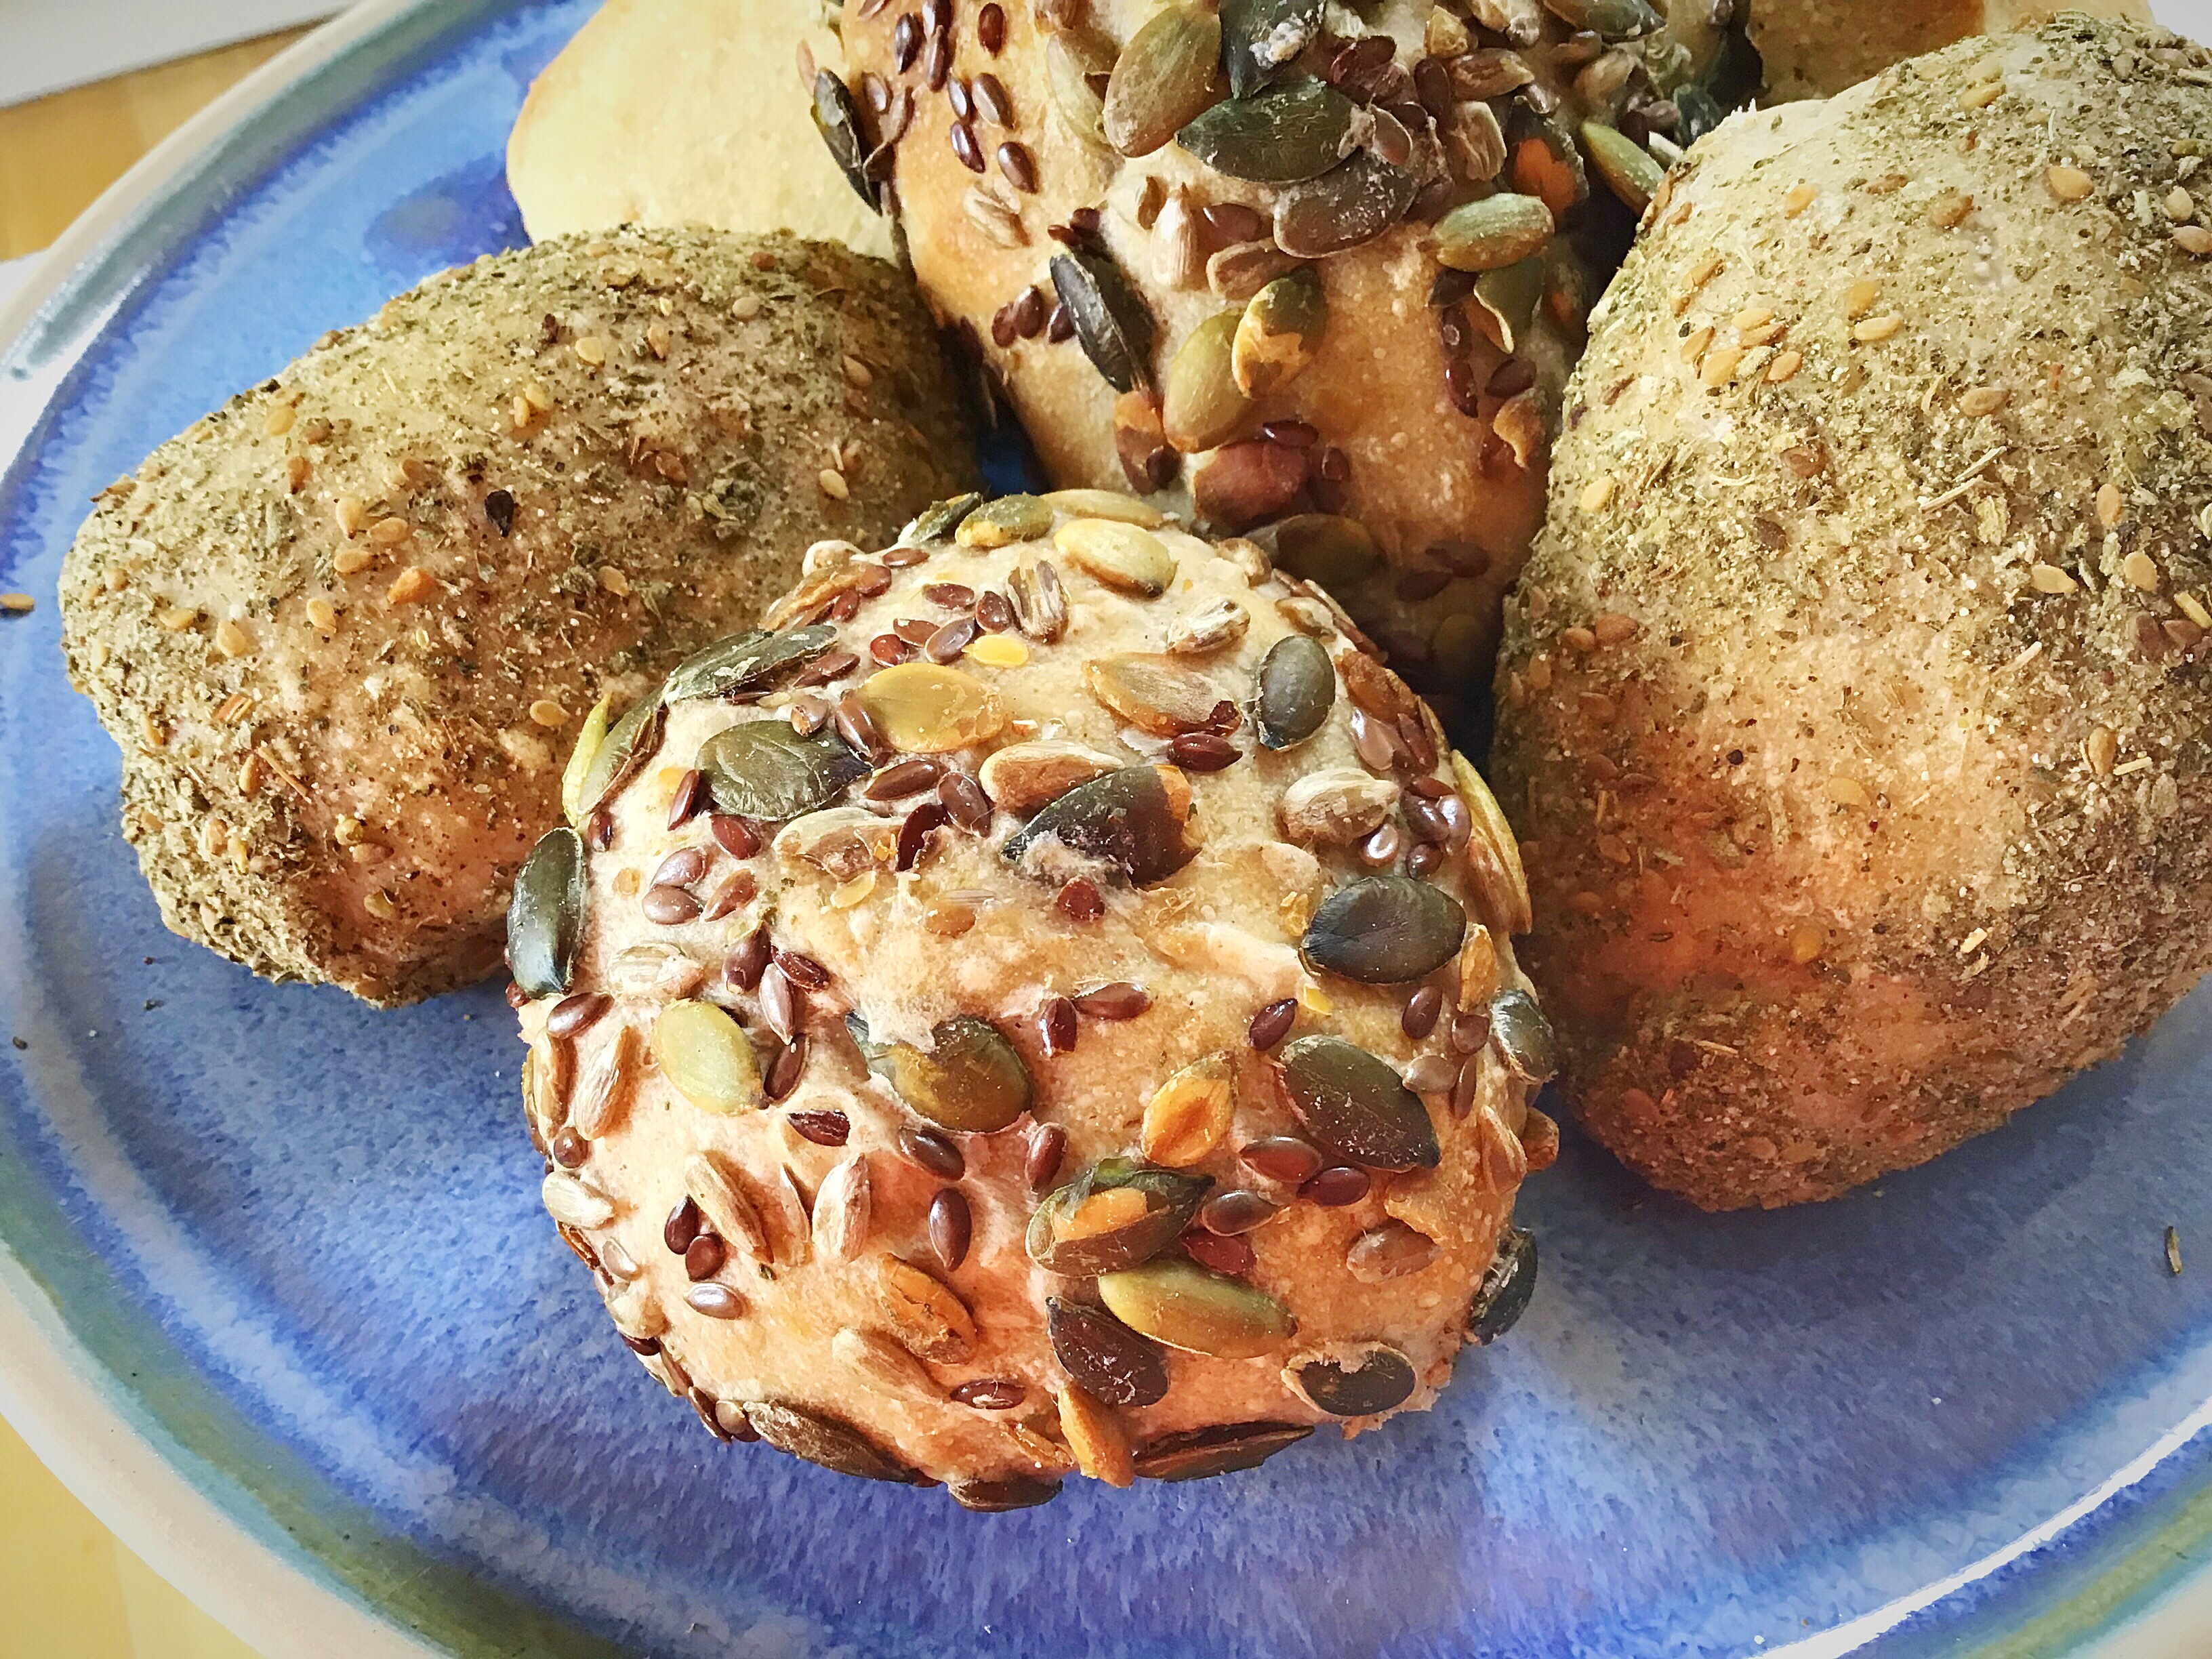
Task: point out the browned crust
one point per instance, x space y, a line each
1865 840
658 503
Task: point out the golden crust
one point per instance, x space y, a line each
332 762
1815 48
964 933
1852 707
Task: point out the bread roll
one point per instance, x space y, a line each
1853 705
344 628
1813 48
1028 1036
1414 399
685 112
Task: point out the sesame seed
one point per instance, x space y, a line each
411 587
2050 578
232 640
1808 941
1784 368
1974 941
658 339
1859 298
1799 199
2110 505
349 830
351 561
2194 608
1696 345
614 581
250 772
746 307
176 618
2180 206
547 713
234 708
1982 96
1849 791
390 532
1948 210
1597 494
2141 763
1984 400
2069 184
279 420
1752 317
349 511
2140 571
2194 239
1578 639
324 615
833 484
2100 749
859 374
537 397
591 349
378 904
854 891
1874 329
1719 367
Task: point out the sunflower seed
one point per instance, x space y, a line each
603 1088
884 1363
927 1318
1040 605
570 1201
1336 807
842 1209
714 1184
823 1440
1235 274
1212 626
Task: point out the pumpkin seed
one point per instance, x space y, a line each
1127 817
1006 1491
1616 19
1023 776
924 709
1125 558
714 1184
707 1057
1261 38
1353 1103
744 661
1093 1225
1113 1363
1493 854
1626 167
844 1207
837 119
1385 930
1700 113
1296 689
1174 1300
970 1079
1387 1252
1524 1038
1547 162
1323 548
1353 203
1508 1284
1508 299
1075 61
764 769
1154 694
588 740
1111 323
1212 626
1195 1454
1280 330
545 915
825 1440
1282 136
1201 403
1164 75
1008 520
1188 1115
630 742
939 519
1353 1379
928 1319
1492 232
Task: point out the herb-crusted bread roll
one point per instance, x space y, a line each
1314 267
1049 1007
1853 705
342 628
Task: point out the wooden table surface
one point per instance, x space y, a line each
69 1589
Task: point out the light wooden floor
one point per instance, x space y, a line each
57 153
67 1589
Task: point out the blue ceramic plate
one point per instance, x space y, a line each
275 1268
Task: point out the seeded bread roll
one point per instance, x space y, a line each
683 111
967 1031
1814 48
339 626
1853 705
1138 298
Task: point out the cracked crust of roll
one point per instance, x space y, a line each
345 794
1210 945
1853 707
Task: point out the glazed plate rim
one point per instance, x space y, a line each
70 1408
